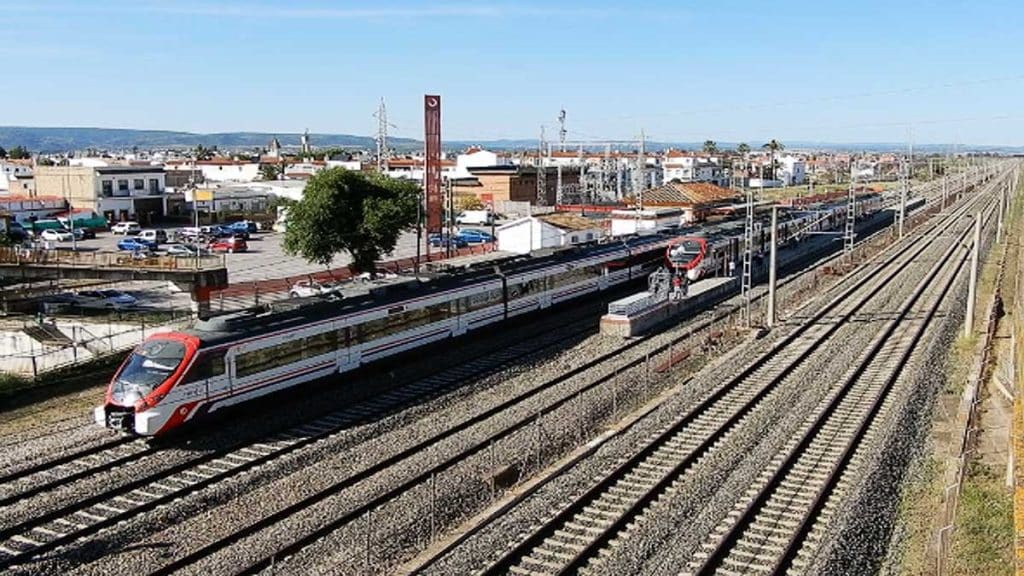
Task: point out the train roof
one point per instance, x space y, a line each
297 312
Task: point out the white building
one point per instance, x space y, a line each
226 170
11 170
792 171
531 233
687 167
647 221
478 158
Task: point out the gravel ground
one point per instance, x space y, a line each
689 506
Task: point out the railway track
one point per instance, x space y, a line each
346 518
764 534
67 524
579 531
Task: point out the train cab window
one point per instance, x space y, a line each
150 365
209 365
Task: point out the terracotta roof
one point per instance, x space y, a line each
567 221
12 198
687 194
473 150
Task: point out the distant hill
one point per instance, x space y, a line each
48 140
67 139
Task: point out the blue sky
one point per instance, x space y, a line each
728 70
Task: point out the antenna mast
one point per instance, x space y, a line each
542 182
383 154
561 130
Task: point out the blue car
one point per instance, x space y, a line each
438 241
245 226
475 236
135 245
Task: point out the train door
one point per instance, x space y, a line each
462 309
349 353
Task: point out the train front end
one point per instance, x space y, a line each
137 400
687 255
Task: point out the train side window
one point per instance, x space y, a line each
208 365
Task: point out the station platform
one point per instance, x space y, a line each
638 313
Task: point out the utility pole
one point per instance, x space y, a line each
903 199
972 287
999 224
772 264
542 180
561 130
383 155
851 206
748 248
639 179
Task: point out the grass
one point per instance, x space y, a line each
983 544
922 494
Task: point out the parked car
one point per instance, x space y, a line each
247 226
83 233
475 236
104 299
438 241
308 288
56 235
156 236
135 245
380 273
126 228
478 217
183 250
16 232
189 234
228 245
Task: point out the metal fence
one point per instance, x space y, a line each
132 260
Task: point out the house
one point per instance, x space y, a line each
791 171
695 199
646 221
557 230
478 158
689 167
115 192
228 170
494 185
10 170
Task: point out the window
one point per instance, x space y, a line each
575 276
402 320
139 184
154 185
209 365
122 185
249 363
108 188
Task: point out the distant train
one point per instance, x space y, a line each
704 255
174 378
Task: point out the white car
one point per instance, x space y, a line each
381 275
56 235
308 288
126 228
183 251
104 299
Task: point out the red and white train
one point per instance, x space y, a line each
705 255
174 378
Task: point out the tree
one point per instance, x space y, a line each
743 149
774 146
465 202
347 211
203 153
3 153
710 147
18 153
270 171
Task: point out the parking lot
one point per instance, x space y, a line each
265 258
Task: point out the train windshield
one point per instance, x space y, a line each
687 251
149 365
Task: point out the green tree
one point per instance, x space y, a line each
203 153
743 149
465 202
3 153
270 171
773 147
346 211
18 153
710 147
